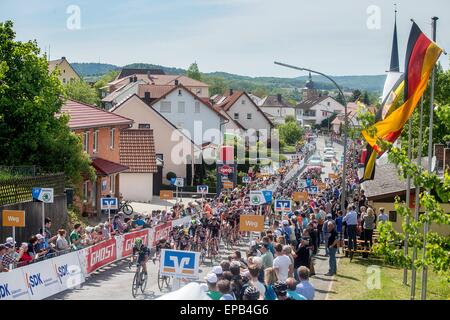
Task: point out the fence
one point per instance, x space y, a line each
17 190
46 278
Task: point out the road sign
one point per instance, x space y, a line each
300 196
257 198
109 203
283 205
332 176
181 264
227 184
312 189
246 179
166 195
226 170
302 183
202 189
322 186
267 196
13 218
43 194
251 223
179 182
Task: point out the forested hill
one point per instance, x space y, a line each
367 83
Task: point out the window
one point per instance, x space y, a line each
249 116
64 80
328 103
199 91
112 183
181 106
111 138
64 71
160 156
86 141
166 107
197 107
144 126
86 191
95 140
243 101
324 113
393 216
309 113
236 116
179 93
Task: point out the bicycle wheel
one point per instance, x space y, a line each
167 281
144 282
127 209
135 286
160 281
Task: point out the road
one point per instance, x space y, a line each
114 281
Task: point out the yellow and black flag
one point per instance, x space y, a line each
421 57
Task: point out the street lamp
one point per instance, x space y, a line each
344 173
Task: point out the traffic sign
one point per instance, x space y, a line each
109 203
202 189
166 195
226 170
43 194
268 194
300 196
322 186
13 218
251 223
179 182
257 198
179 263
302 183
228 184
283 205
332 176
246 179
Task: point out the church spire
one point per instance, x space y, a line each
394 54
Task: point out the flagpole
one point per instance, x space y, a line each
408 198
430 157
417 204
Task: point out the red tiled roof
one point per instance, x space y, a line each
137 150
106 167
156 91
87 116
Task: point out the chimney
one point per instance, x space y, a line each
135 79
231 92
279 97
131 79
149 75
147 96
176 82
63 58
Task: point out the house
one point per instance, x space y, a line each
315 107
176 155
100 133
137 152
67 72
198 88
276 107
387 184
242 112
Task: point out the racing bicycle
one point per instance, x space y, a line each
139 281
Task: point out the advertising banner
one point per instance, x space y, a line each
101 254
162 231
178 263
41 280
128 241
68 270
12 286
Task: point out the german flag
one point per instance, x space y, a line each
421 56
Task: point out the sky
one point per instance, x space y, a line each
345 37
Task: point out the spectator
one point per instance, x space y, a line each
26 257
351 220
217 270
282 263
339 227
280 289
266 257
225 289
332 248
40 245
239 258
211 281
302 257
47 233
291 287
227 275
75 237
251 293
236 282
254 273
383 217
270 278
369 224
3 251
305 288
225 265
61 242
287 250
325 232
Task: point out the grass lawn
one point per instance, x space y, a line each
355 281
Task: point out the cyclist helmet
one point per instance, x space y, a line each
138 243
193 222
251 293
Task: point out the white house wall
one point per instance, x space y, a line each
258 121
137 186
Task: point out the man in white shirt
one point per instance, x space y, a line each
282 263
351 218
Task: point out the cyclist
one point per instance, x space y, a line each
162 244
143 253
184 240
214 228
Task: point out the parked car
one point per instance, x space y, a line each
328 156
315 161
328 149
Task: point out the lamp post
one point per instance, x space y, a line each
344 173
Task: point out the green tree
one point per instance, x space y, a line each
290 132
81 91
290 119
217 85
193 72
366 99
356 94
105 79
30 134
